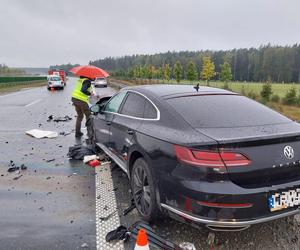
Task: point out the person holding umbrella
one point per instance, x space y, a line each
82 91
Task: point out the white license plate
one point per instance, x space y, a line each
286 199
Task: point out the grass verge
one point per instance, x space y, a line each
20 86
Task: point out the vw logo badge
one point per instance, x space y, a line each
288 152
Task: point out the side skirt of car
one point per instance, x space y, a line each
114 157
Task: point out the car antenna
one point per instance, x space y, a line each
197 87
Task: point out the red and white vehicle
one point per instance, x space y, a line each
58 72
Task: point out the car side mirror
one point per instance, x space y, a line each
95 109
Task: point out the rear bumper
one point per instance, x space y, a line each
56 85
220 204
226 225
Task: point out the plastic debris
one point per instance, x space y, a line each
187 246
88 158
84 245
211 239
94 163
37 133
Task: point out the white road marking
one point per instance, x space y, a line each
106 208
32 103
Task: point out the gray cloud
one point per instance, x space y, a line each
40 33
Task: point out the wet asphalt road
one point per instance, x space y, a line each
52 204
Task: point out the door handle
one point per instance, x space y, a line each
108 123
130 132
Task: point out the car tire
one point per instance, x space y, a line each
143 190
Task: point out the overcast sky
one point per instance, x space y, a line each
47 32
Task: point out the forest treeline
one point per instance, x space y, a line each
264 64
6 71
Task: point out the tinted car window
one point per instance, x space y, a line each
115 102
150 112
134 105
224 111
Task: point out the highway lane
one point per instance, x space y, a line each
52 205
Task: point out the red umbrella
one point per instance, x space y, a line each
89 71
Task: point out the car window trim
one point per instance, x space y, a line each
133 117
124 98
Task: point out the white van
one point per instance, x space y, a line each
55 81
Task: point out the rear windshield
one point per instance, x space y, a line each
221 111
55 78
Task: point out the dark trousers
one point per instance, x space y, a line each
82 108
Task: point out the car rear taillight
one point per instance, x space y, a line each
213 159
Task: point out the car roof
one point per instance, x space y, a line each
166 91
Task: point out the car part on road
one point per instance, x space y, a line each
78 152
120 233
130 208
94 163
39 134
88 158
154 240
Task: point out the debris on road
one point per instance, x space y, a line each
84 245
187 246
13 169
50 160
37 133
78 152
65 133
88 158
50 118
211 239
17 177
130 208
94 163
108 216
125 234
23 167
66 118
120 233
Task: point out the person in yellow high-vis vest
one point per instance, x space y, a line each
80 99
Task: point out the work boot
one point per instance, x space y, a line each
79 134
